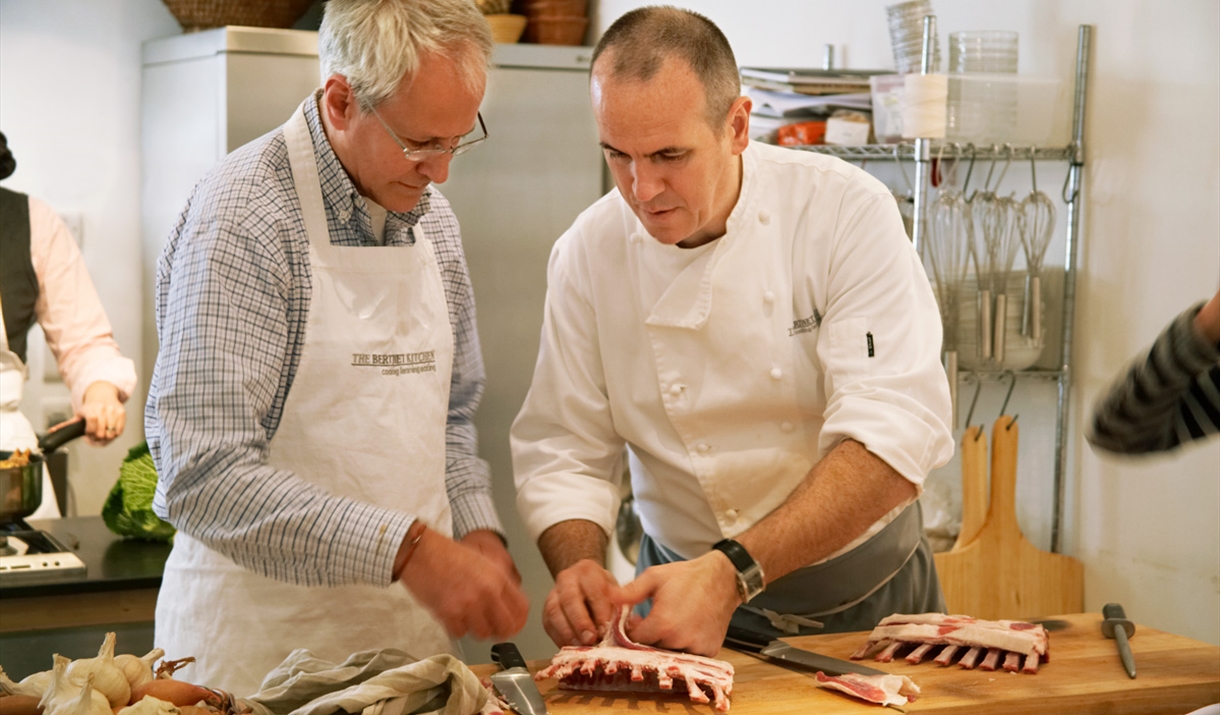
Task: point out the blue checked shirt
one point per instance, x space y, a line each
232 297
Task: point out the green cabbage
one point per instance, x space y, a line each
128 509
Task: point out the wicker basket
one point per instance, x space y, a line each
506 28
196 15
556 30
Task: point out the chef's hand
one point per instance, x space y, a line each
103 413
466 591
580 605
489 544
692 602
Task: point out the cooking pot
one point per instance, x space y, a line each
21 487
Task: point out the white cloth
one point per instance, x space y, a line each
373 380
731 372
16 432
385 682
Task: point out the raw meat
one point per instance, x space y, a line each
881 689
619 664
988 640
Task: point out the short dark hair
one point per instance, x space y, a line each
645 37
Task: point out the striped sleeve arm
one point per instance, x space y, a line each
1167 397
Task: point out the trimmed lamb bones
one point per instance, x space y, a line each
618 664
975 638
881 689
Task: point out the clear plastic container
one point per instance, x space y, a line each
887 93
1022 110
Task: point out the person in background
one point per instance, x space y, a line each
1169 397
43 279
310 413
753 323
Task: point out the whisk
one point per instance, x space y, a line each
948 251
1039 224
982 204
1002 229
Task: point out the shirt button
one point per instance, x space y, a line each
703 447
769 296
344 215
764 217
675 389
776 373
785 426
731 514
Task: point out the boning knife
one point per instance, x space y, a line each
514 682
1117 626
753 641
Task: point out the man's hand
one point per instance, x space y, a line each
1207 320
692 602
466 591
582 601
103 413
490 546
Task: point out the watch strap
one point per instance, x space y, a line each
749 572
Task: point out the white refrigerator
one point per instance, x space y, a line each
207 93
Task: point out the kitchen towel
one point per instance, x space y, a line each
374 682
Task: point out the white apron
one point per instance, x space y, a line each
351 426
16 432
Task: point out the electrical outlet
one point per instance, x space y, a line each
76 225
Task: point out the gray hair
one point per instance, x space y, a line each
644 38
374 43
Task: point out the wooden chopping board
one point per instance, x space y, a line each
1084 675
1000 575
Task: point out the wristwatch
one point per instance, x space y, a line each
749 571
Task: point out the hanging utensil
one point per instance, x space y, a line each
948 253
999 216
1039 224
980 205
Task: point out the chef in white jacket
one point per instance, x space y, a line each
753 324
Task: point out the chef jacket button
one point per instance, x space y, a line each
769 296
764 217
636 237
703 447
675 389
786 426
776 373
731 514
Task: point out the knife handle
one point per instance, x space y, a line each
507 655
1115 617
745 638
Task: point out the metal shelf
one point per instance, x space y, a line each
906 151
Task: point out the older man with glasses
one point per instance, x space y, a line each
311 408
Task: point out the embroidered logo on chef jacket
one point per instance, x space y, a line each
805 325
397 363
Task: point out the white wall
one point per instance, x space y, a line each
70 108
1147 530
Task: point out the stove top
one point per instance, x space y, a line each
29 556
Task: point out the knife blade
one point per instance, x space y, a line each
1116 626
755 642
514 682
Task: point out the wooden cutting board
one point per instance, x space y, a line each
1084 675
1000 575
974 485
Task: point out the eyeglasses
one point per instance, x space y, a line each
425 152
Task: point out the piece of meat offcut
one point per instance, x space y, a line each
887 689
973 638
618 664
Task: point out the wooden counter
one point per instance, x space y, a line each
1175 675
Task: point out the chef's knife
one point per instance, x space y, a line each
1117 626
755 642
514 683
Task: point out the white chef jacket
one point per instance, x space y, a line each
732 369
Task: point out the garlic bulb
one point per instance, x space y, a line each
34 684
108 679
138 671
149 705
63 697
87 702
